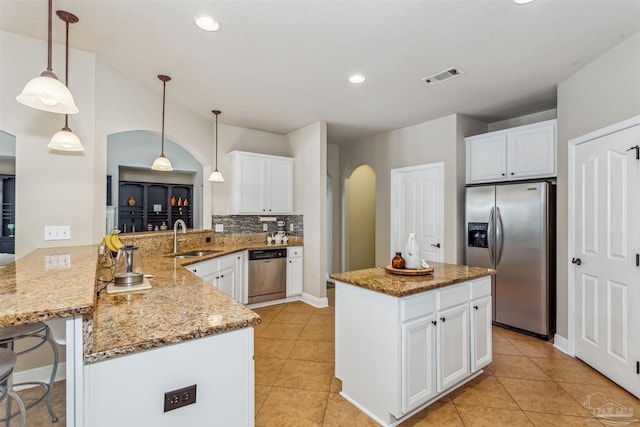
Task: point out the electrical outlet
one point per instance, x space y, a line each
178 398
64 232
219 228
291 227
207 240
57 232
265 227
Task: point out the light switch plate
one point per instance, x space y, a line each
265 227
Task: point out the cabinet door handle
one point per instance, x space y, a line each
195 270
475 307
434 322
437 245
503 174
222 275
512 173
443 319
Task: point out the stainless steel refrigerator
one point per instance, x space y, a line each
511 228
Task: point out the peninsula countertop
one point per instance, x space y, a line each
48 284
379 280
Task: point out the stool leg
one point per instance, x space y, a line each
54 418
23 410
7 416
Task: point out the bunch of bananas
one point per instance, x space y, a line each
112 241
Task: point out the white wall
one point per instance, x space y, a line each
439 140
333 169
51 188
603 92
309 146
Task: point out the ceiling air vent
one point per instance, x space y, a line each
436 78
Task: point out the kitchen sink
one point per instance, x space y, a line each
194 254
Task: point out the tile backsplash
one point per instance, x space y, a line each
251 224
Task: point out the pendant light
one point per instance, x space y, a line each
65 139
216 176
161 163
46 92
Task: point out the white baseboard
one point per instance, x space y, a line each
315 301
561 343
41 374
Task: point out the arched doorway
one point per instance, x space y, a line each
360 218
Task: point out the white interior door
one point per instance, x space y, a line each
606 241
417 206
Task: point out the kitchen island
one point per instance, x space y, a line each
402 342
125 351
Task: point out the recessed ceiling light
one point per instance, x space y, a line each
523 1
357 78
207 23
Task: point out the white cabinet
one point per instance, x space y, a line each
453 346
222 273
412 350
242 292
295 275
524 152
418 361
481 352
260 183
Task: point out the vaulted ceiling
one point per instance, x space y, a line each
280 65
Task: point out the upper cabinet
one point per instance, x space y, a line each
260 183
523 152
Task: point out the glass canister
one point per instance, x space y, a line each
397 261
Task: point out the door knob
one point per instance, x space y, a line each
576 261
437 245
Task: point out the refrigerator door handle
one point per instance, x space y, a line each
499 236
491 236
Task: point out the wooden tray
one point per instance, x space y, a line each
409 272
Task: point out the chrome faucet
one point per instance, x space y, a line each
182 224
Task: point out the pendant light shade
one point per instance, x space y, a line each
65 139
216 176
161 163
46 92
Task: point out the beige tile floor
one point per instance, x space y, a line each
529 382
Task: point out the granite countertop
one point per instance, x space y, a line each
47 284
61 282
379 280
179 306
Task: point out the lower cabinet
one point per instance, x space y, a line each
412 350
294 271
418 361
481 341
226 273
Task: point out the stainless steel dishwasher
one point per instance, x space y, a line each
267 275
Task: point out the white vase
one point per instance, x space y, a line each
412 257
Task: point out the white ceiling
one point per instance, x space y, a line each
280 65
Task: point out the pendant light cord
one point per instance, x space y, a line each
50 42
66 69
164 88
216 142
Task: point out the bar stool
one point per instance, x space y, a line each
41 332
7 363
